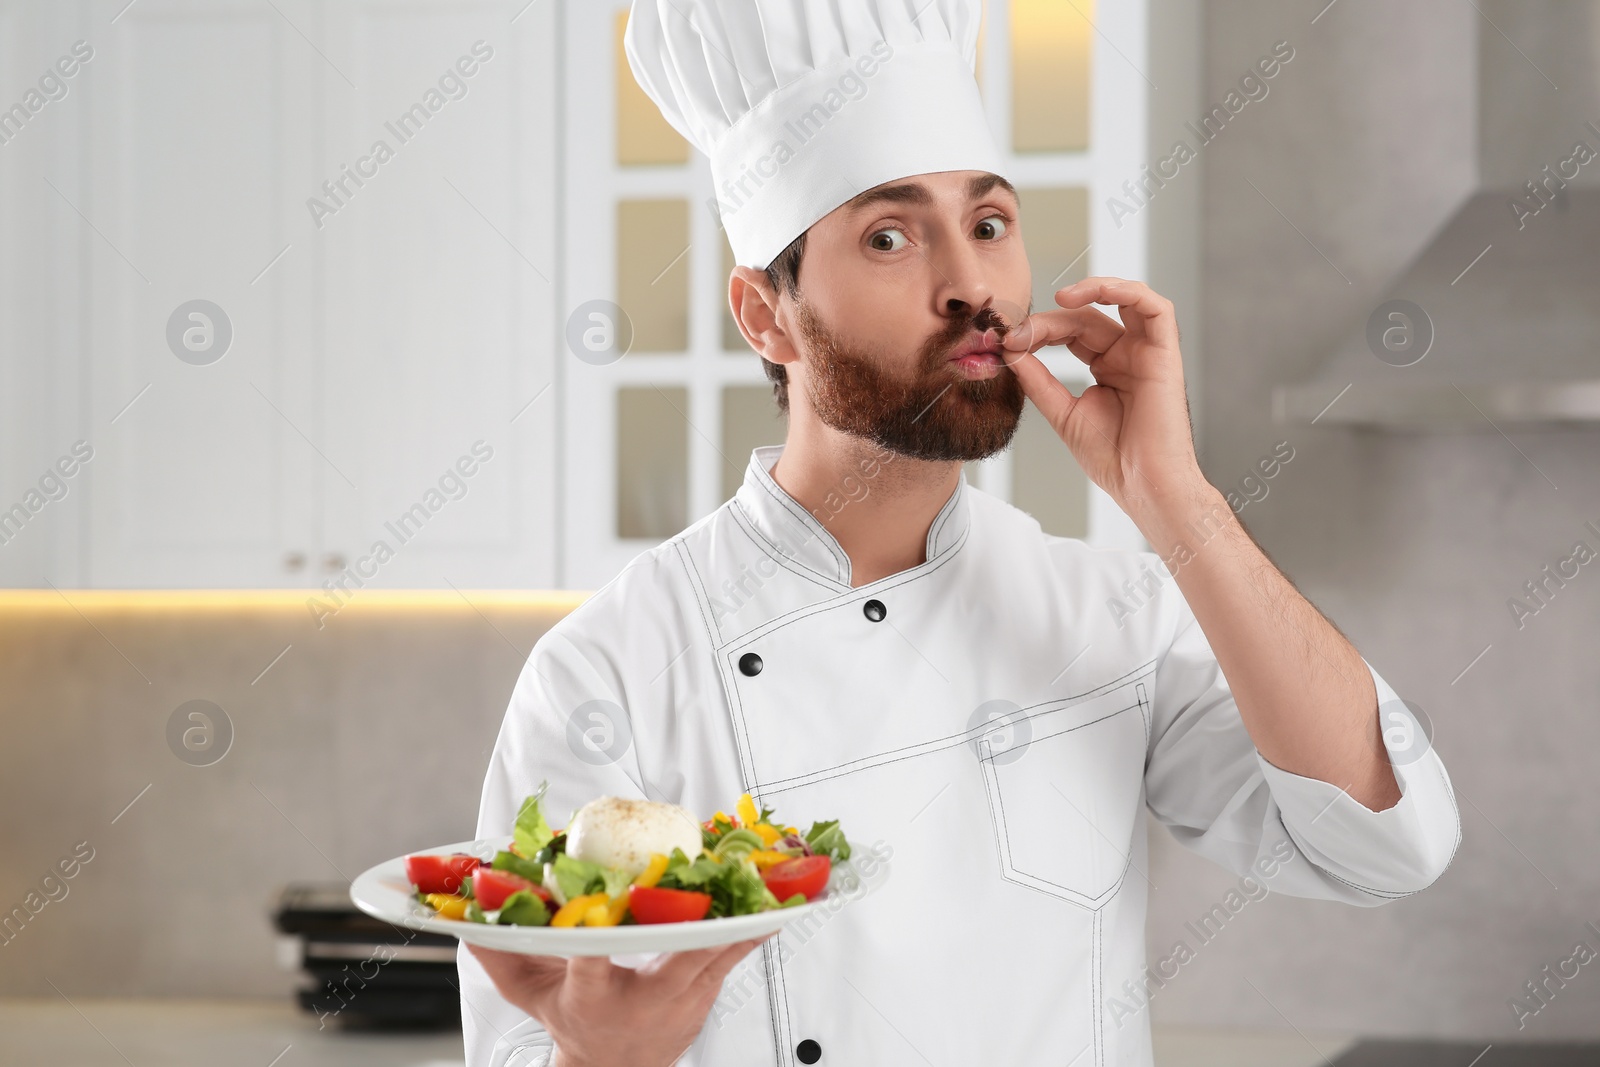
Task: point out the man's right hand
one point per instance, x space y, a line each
603 1015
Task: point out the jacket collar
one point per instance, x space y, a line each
791 531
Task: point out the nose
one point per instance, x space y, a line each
962 287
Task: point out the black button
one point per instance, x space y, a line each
750 664
874 610
808 1050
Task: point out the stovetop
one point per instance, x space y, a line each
1468 1054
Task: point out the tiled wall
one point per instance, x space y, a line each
368 738
1411 543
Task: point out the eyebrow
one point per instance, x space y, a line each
917 194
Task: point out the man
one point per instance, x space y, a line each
861 635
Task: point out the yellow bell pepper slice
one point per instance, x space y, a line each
652 874
764 858
748 815
448 905
607 913
770 835
573 911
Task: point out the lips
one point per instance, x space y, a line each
979 357
978 346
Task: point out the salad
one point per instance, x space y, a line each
621 861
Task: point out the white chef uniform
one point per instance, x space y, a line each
1004 920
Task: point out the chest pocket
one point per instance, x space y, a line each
1063 785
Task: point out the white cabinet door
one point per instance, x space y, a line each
295 346
41 366
436 232
204 417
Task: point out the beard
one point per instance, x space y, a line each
935 414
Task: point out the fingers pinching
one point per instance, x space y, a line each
1086 331
1142 308
1053 399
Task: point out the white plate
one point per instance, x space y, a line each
384 893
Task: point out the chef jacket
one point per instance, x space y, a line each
988 726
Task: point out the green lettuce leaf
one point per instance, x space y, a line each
510 861
548 854
825 838
578 877
616 881
575 876
741 891
522 908
531 832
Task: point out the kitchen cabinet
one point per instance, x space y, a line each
296 295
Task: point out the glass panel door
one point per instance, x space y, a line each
659 435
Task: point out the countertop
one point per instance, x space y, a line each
197 1033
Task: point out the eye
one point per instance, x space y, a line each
876 240
993 221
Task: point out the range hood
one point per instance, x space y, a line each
1515 339
1509 285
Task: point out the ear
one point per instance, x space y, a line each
754 303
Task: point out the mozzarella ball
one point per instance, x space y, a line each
622 833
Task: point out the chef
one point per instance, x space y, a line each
861 635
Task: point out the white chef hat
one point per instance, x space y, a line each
802 104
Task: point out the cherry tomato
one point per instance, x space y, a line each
806 875
440 874
652 904
490 887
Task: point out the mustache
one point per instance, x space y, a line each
937 351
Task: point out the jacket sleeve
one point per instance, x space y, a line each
565 724
1222 798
